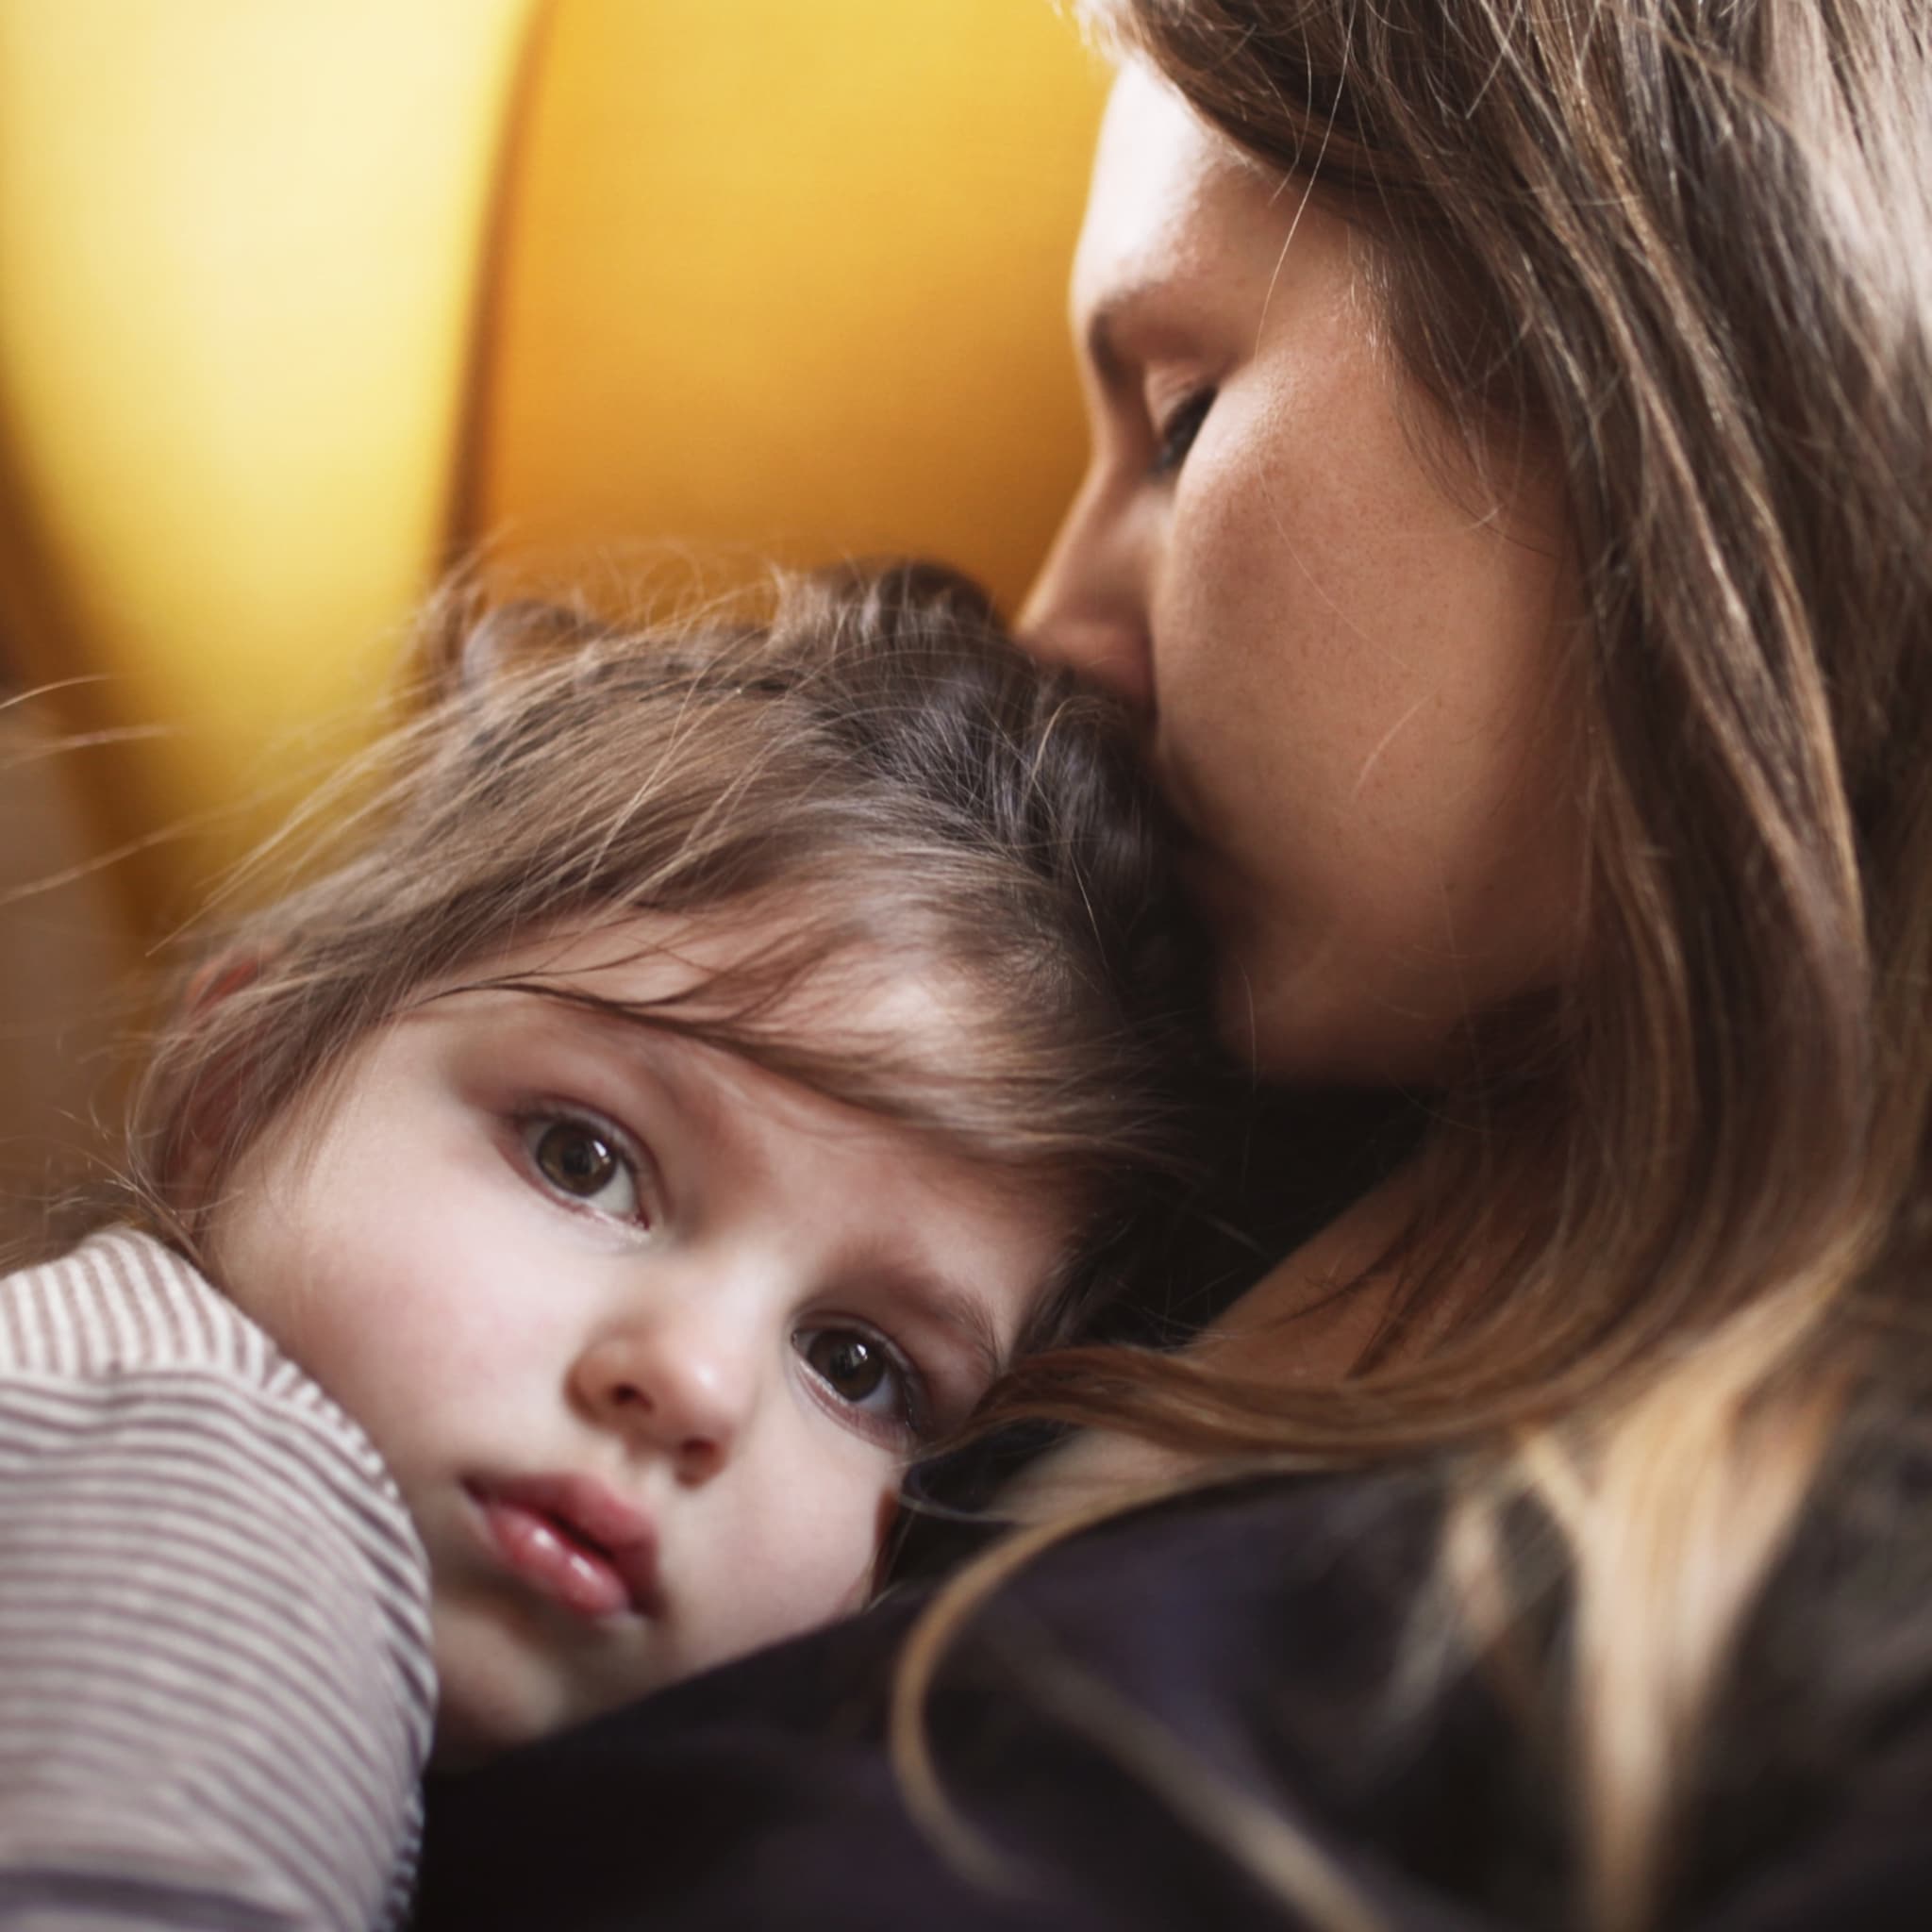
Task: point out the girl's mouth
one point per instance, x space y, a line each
574 1541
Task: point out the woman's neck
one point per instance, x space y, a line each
1308 1322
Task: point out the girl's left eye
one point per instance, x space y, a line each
865 1373
585 1162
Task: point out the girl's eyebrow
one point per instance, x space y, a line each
620 1026
946 1301
665 1054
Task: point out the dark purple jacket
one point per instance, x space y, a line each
1255 1641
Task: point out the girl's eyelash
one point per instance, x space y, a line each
533 1123
914 1412
1177 431
916 1403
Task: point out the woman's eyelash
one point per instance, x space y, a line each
1178 431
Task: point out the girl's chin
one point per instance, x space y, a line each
492 1694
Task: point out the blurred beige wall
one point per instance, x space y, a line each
61 990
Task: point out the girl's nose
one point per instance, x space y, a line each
1088 607
673 1382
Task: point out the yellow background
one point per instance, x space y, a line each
299 302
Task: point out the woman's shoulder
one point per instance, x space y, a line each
1165 1720
765 1792
1817 1778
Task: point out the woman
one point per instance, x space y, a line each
1514 440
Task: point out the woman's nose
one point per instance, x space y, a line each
1088 608
674 1383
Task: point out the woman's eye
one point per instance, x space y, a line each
584 1162
865 1373
1178 431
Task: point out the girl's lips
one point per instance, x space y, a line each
574 1540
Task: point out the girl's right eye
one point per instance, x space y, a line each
871 1378
584 1162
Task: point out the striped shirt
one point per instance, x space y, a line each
216 1694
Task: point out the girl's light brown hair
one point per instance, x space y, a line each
870 761
1674 1244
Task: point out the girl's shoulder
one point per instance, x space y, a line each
124 1302
123 1315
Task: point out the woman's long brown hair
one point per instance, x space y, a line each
1675 1224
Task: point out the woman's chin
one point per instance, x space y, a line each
1328 1021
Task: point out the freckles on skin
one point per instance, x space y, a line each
1397 789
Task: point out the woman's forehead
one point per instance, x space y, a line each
1173 201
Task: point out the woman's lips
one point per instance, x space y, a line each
574 1540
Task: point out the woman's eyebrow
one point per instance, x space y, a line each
1113 328
1125 328
1104 326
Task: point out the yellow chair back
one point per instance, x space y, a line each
299 303
240 253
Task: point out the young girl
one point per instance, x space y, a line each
557 1226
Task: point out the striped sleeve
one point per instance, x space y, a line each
215 1688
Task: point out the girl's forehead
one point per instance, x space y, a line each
895 1041
807 977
